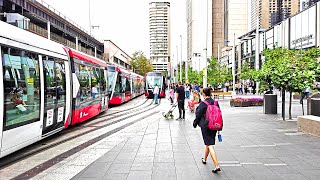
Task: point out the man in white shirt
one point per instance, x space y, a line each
156 93
227 86
94 91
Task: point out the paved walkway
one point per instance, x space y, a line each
255 146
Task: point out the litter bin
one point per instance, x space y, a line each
270 104
315 106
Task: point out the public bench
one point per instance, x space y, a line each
217 94
309 124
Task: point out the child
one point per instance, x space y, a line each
171 92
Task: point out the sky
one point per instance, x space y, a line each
125 22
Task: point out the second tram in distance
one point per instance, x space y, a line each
123 85
152 79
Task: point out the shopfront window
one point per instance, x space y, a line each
21 87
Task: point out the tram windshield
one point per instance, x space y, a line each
111 79
153 80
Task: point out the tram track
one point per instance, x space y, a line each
15 158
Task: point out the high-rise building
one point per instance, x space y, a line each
159 29
236 24
227 20
218 25
271 12
199 32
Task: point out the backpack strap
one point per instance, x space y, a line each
206 103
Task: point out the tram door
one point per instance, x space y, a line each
54 94
104 90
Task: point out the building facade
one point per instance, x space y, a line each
301 31
159 29
116 55
199 32
271 12
235 23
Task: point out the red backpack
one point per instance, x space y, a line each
214 116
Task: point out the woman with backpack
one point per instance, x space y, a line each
209 136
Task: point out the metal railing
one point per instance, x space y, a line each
60 14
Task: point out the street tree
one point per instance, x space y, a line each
140 64
288 70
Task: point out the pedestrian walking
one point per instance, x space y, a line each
156 93
171 93
245 86
180 96
304 94
209 136
237 88
240 88
254 87
187 91
195 87
227 86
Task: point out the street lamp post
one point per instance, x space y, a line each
205 73
181 60
177 80
234 63
90 17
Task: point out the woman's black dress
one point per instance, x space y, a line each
209 136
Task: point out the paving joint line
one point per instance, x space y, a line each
88 143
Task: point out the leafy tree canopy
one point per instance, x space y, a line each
140 64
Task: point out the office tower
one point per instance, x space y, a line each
271 12
159 29
199 32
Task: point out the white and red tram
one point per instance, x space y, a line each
123 85
137 85
44 87
152 79
90 95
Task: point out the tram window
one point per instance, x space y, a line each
95 82
128 87
111 79
22 87
60 81
103 82
85 83
118 85
50 84
123 84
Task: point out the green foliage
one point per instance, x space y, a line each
247 73
140 64
193 76
217 73
289 70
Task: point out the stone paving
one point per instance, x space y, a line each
255 146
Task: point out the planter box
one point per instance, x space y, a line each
256 103
239 104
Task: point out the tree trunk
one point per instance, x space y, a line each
284 105
290 105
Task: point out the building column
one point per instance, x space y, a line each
77 43
49 29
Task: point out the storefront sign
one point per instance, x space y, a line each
303 29
303 41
